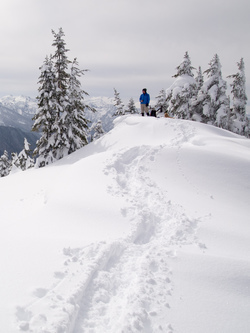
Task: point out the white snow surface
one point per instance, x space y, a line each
146 229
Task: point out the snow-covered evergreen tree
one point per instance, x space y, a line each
161 104
74 120
61 62
45 117
25 161
247 127
197 106
179 95
185 68
118 104
212 96
238 115
199 79
98 130
131 108
60 115
5 164
14 161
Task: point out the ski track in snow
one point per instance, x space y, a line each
126 285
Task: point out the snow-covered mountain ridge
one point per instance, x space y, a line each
21 104
143 230
16 113
18 109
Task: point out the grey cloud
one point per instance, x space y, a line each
127 43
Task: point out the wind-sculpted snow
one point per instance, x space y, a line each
139 207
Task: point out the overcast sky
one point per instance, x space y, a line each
126 44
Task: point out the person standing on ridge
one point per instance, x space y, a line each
144 100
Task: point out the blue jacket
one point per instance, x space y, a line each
145 98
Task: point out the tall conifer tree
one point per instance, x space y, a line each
212 96
196 105
118 104
162 105
45 117
61 62
75 121
180 94
238 85
131 108
185 68
60 115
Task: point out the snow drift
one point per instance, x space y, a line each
144 230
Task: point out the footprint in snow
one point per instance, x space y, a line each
40 292
23 317
59 275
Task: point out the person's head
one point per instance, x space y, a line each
144 90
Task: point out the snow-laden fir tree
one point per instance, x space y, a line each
14 161
60 141
212 96
161 104
118 104
247 127
197 109
60 116
238 114
131 108
75 123
199 79
25 161
98 130
180 93
45 117
185 68
5 164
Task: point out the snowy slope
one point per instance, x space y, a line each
144 230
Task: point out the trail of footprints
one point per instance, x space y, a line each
124 286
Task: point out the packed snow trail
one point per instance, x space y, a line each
132 283
126 285
136 280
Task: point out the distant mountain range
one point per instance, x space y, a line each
15 123
16 113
